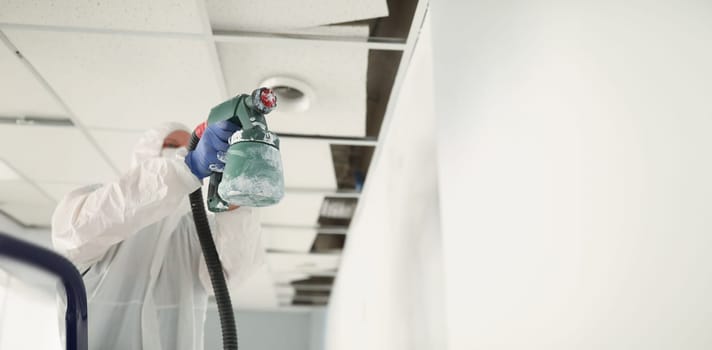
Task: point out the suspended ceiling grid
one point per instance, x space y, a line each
115 68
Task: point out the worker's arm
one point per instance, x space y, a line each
238 240
89 220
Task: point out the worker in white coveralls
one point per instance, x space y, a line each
135 242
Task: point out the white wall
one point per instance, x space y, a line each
575 150
318 330
270 330
388 293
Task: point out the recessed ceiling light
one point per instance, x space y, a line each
293 95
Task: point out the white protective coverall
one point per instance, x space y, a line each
147 283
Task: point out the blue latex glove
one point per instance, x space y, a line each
209 155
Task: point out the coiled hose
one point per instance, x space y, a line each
212 260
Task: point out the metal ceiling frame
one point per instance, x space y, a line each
371 43
334 140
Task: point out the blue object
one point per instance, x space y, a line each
358 180
214 142
47 260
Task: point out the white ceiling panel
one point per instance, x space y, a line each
58 190
154 15
308 263
335 81
298 240
300 209
7 173
285 293
258 291
22 93
287 277
30 214
307 164
125 82
52 154
20 191
282 14
118 145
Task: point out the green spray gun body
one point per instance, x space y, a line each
253 174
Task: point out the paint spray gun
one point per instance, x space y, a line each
253 175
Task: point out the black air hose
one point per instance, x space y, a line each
212 260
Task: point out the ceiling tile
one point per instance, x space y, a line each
258 291
334 81
125 82
23 94
295 209
118 145
298 240
285 293
7 172
308 263
307 164
58 190
155 15
20 191
52 154
275 14
287 277
30 214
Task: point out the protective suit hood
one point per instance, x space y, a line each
151 142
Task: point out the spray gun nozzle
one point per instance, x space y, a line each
264 100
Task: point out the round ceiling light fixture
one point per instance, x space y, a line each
293 95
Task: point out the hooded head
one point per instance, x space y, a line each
155 140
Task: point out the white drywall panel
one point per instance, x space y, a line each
574 152
389 291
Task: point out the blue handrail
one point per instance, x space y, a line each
76 315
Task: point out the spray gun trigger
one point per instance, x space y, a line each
217 168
